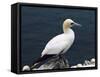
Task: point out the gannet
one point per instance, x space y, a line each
61 43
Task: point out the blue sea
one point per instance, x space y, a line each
40 24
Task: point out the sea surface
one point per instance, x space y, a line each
40 24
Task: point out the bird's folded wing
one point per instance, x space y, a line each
55 45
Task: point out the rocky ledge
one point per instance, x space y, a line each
58 63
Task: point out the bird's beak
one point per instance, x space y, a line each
76 24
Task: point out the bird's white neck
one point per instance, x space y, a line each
68 30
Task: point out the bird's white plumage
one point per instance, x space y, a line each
59 43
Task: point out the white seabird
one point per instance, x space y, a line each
61 43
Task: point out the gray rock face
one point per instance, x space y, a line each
53 63
59 63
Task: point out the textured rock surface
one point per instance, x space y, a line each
58 63
87 63
54 63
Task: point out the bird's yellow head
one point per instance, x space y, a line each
68 23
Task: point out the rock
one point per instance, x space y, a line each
53 63
58 63
26 68
79 65
87 62
73 66
92 60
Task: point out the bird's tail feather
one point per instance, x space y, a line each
41 59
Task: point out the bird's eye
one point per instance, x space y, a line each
72 23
